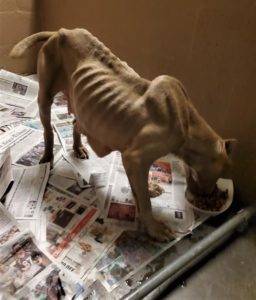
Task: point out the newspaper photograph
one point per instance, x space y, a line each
160 174
64 131
62 114
34 124
53 283
25 198
84 252
65 219
33 155
20 261
6 175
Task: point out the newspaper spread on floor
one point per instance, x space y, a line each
74 228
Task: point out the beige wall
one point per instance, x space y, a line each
209 45
18 18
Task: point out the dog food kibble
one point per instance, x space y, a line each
212 202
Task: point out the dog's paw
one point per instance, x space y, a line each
81 152
159 231
154 190
47 159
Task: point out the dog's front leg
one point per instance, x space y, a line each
137 171
79 150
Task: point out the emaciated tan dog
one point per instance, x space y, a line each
119 110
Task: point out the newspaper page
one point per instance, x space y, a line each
21 108
85 251
25 198
6 176
22 87
66 218
20 92
19 139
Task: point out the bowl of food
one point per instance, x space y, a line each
215 203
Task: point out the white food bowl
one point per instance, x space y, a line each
223 184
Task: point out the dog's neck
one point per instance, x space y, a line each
200 140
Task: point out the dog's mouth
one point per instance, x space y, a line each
199 188
197 192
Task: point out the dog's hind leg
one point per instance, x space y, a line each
79 150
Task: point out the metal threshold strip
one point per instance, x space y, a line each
182 264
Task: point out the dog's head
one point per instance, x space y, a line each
205 166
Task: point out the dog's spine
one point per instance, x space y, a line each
105 56
20 49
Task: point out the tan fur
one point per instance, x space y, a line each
119 110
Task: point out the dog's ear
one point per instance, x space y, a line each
230 145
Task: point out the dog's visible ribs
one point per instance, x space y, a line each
104 54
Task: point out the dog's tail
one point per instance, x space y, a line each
20 49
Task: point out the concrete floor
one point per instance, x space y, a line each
230 273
